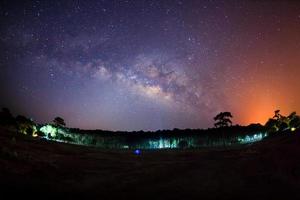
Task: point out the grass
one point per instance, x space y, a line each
269 169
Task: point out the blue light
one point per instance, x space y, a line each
137 152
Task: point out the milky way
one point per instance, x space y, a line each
131 65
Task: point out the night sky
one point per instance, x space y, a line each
131 65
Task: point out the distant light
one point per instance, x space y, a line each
49 130
293 129
266 134
137 152
34 134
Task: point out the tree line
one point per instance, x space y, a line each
25 125
222 120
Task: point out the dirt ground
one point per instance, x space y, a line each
42 169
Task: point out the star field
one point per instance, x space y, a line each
131 65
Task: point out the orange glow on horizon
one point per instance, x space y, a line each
257 111
258 103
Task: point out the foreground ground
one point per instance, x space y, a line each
267 170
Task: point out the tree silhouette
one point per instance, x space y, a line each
282 123
223 119
6 117
272 125
277 115
292 116
25 125
60 122
295 123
